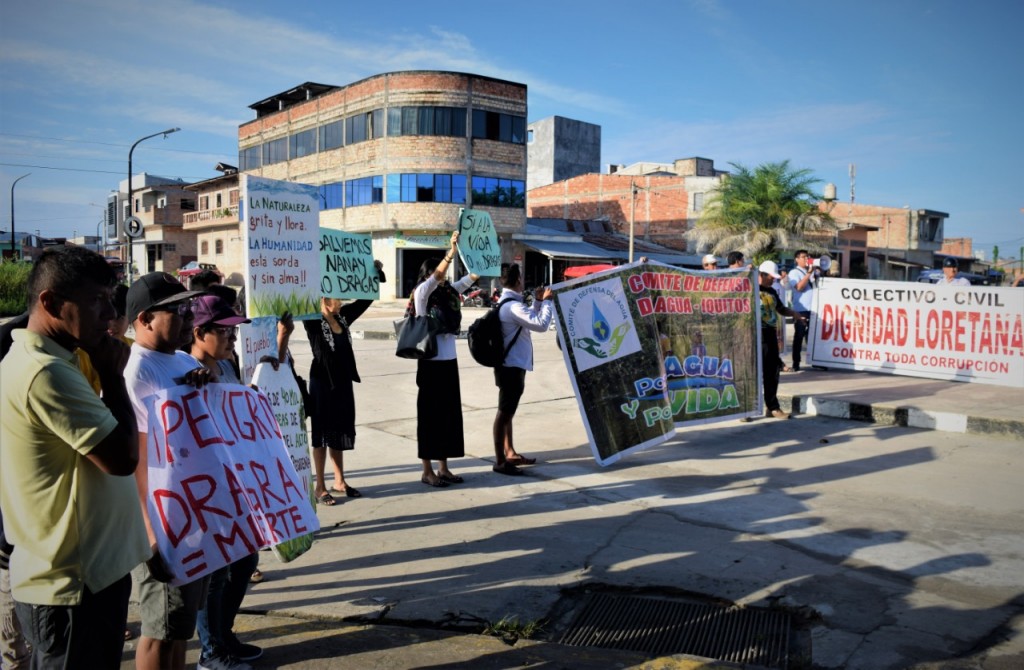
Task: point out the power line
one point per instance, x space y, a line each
105 144
63 169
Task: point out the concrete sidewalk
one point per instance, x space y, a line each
891 547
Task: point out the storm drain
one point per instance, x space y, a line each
663 627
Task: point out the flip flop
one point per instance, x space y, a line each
439 484
507 468
350 491
450 478
327 500
519 459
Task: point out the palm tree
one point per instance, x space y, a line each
763 211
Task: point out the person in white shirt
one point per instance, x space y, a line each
950 273
517 322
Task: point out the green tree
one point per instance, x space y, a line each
763 211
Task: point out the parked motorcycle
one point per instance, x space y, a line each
476 297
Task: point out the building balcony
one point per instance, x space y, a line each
210 218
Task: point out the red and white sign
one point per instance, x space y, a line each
221 483
961 333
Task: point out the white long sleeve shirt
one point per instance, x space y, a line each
445 341
515 314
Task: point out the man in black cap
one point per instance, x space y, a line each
950 270
161 309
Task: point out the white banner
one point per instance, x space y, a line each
961 333
221 482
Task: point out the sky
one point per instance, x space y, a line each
925 98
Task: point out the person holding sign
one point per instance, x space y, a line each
66 460
214 332
439 401
771 307
330 387
160 307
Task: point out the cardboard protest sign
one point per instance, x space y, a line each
255 340
281 231
478 243
282 391
651 348
346 266
221 482
960 333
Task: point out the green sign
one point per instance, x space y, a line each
478 243
346 266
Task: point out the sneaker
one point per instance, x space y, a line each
222 663
778 414
246 652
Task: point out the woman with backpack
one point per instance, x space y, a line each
439 401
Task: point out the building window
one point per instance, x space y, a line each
698 202
249 159
218 247
233 197
331 135
275 151
498 192
204 248
364 126
187 205
302 144
330 196
365 191
219 196
499 127
427 188
204 203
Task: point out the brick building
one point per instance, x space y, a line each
397 155
215 224
660 200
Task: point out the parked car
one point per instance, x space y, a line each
192 268
933 276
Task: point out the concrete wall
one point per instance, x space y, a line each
561 148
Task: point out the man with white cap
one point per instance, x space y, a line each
709 262
771 307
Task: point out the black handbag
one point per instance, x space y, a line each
417 337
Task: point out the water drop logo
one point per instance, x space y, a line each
599 324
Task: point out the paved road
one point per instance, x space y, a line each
896 546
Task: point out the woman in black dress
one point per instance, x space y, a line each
331 377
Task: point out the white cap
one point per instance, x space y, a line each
769 268
709 258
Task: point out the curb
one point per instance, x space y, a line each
906 417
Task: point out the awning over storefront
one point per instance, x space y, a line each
572 250
900 262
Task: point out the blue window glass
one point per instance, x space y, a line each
394 190
249 159
275 151
302 144
442 188
331 196
331 135
394 123
365 191
459 188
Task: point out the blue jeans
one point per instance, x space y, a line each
217 617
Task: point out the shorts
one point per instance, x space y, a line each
510 383
168 612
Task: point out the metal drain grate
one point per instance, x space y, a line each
663 627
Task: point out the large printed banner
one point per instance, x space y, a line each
961 333
281 224
346 266
478 243
221 482
651 348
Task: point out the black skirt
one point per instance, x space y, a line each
334 418
439 410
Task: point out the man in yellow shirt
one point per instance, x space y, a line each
66 460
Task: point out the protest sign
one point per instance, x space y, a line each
651 348
346 266
478 243
960 333
221 482
255 340
281 231
282 391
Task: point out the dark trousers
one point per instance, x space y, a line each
88 635
770 369
799 336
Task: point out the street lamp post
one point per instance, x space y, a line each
131 204
13 256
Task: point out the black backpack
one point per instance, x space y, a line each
486 343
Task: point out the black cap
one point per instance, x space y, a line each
950 262
153 290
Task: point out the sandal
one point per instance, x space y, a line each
507 468
349 491
257 577
450 478
519 459
438 483
326 499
